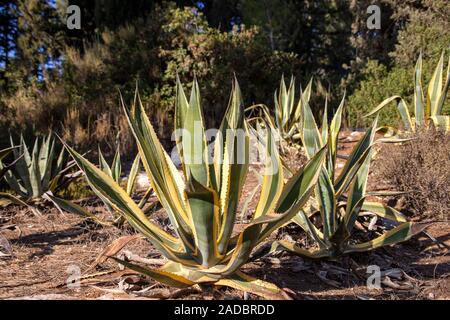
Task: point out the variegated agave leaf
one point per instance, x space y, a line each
114 171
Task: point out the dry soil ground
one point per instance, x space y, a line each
39 253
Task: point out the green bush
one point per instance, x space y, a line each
377 85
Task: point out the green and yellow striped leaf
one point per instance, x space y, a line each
435 89
401 233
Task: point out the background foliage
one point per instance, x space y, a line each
52 78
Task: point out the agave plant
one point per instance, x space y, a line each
205 248
287 113
5 197
114 172
339 200
427 108
3 154
38 172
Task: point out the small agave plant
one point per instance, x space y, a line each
39 172
115 172
3 154
339 200
428 105
205 248
7 198
287 113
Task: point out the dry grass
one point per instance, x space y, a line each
294 158
422 167
45 247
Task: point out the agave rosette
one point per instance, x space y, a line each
37 172
340 199
5 197
202 207
288 114
3 154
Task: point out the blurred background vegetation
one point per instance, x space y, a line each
67 81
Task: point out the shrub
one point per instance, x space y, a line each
421 166
152 52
